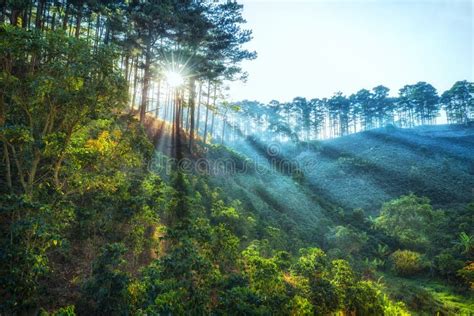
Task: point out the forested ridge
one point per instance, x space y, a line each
105 105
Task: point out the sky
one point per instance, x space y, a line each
314 48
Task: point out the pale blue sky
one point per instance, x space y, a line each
314 48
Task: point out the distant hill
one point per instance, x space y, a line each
368 168
362 170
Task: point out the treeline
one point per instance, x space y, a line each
199 40
303 119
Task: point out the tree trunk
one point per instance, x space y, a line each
177 125
212 124
146 83
53 21
3 14
192 97
39 14
97 31
223 129
78 20
14 17
24 19
207 110
8 174
66 16
158 95
198 118
45 18
166 105
213 111
135 82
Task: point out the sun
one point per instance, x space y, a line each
173 78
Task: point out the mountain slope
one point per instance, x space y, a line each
362 170
365 169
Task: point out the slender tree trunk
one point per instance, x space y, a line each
212 124
213 111
97 31
166 106
158 95
198 118
66 16
89 27
224 119
39 13
107 32
135 82
192 99
176 125
46 15
126 66
187 118
207 110
24 19
181 112
3 14
8 173
146 83
14 17
53 21
79 20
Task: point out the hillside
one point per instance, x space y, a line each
365 169
308 202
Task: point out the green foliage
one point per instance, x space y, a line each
447 265
312 261
30 230
467 274
63 311
466 242
409 219
263 274
364 298
106 292
347 239
342 276
300 306
406 262
53 84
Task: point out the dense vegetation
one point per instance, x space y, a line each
93 223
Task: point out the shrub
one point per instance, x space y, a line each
348 239
106 293
363 298
300 306
447 265
409 219
63 311
406 262
467 273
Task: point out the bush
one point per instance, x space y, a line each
410 220
406 262
363 298
63 311
467 274
446 265
106 293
